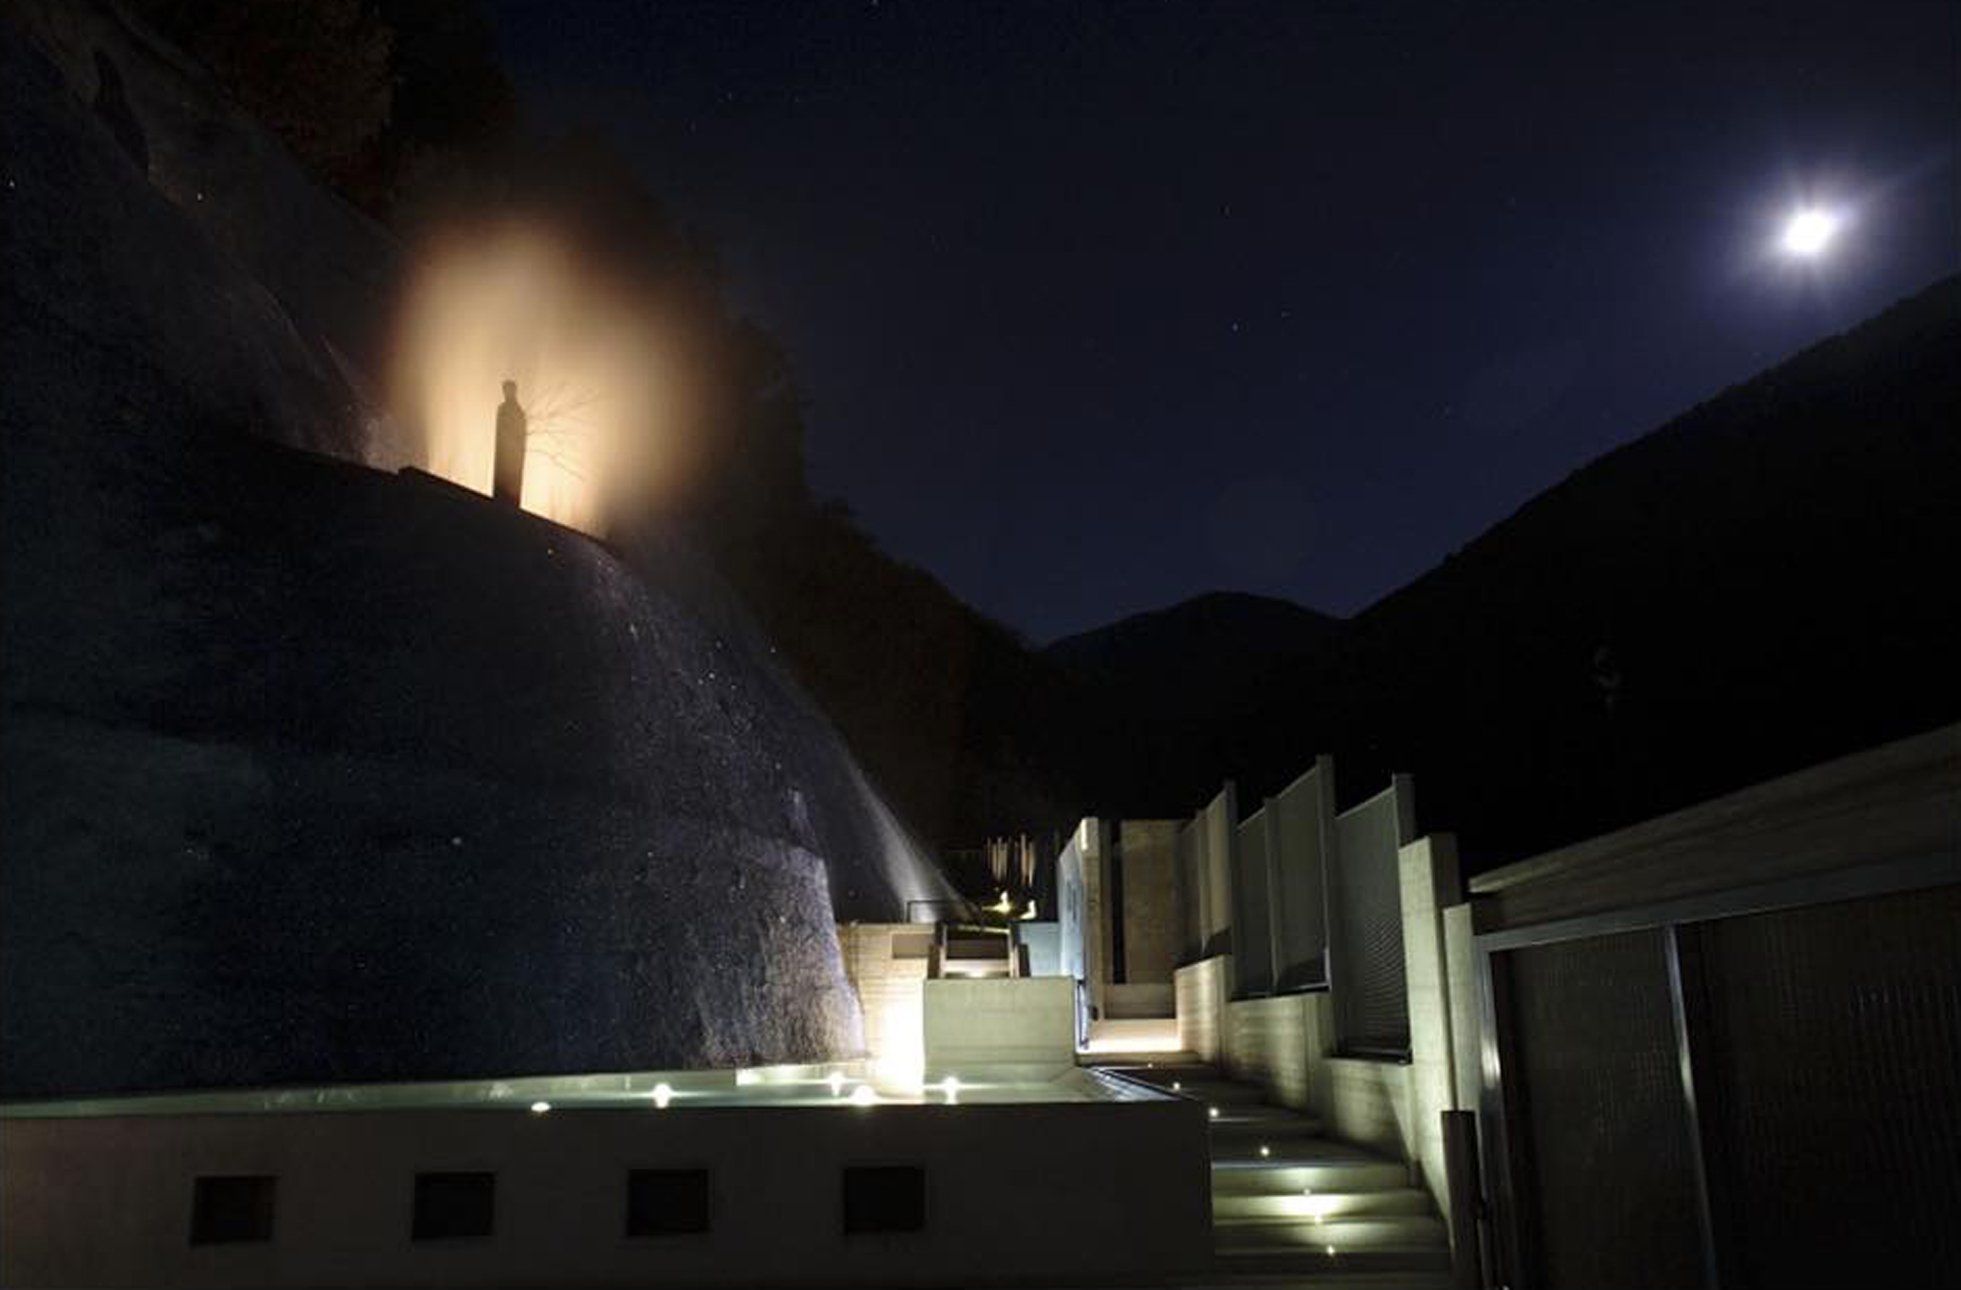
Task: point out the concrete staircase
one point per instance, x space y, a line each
972 952
1287 1201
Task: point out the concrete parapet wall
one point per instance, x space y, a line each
1010 1020
1281 1043
1084 1192
1369 1102
1200 991
1131 1001
1286 1043
886 965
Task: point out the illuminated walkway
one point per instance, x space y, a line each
1286 1200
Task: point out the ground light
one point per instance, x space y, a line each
836 1081
663 1094
864 1095
539 1108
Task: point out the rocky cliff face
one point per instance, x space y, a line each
313 772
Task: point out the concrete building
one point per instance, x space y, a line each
1740 1020
1745 1019
788 1176
1121 908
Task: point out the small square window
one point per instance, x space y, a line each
666 1202
884 1198
451 1207
225 1210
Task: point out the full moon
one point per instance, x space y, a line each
1809 232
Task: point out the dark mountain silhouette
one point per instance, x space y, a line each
1195 679
1761 584
1162 646
967 730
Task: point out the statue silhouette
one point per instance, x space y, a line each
511 431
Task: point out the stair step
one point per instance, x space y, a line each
1154 1067
1230 1209
1161 1066
1215 1093
1402 1234
1229 1135
1411 1269
1250 1116
1228 1131
1245 1098
1321 1170
1280 1151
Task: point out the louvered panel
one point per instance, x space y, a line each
1829 1073
1370 999
1609 1180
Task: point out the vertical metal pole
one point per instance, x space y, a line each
1685 1055
1330 895
1460 1134
1509 1238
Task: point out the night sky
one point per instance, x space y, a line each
1096 308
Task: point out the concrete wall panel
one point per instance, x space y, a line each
1013 1193
994 1021
1201 1000
886 964
1252 915
1280 1044
1370 1102
1151 913
1427 872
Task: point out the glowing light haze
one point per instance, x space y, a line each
1810 231
511 304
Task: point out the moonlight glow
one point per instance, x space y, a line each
1809 232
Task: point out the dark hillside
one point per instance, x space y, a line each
1199 676
1764 583
965 729
1161 647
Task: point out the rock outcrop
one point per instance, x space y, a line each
312 771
